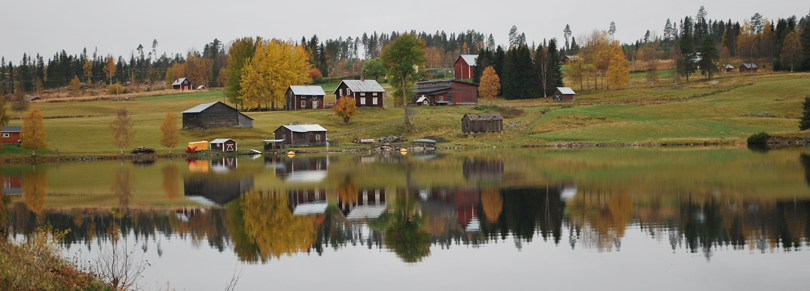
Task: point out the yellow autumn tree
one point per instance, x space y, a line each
490 83
273 68
177 70
75 85
33 131
33 186
576 71
87 69
271 225
345 108
617 73
122 129
169 130
110 67
791 50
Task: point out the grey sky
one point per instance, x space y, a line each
117 27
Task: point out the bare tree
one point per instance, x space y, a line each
119 266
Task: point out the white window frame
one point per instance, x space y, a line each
303 104
6 135
374 94
362 100
373 101
363 94
317 137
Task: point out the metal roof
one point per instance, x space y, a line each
750 65
318 207
304 127
15 128
362 86
566 90
200 108
308 90
221 140
470 59
32 98
367 211
484 116
421 99
178 81
431 89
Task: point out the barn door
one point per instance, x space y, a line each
314 104
228 147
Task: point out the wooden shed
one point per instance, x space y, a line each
366 93
223 145
213 115
748 68
481 122
304 97
563 94
11 134
301 135
446 92
182 84
464 66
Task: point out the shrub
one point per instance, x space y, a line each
759 138
115 89
804 123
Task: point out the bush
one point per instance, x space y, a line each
116 89
759 138
804 123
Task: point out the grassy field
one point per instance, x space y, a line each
699 111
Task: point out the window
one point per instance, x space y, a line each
303 104
363 94
362 100
374 101
341 92
6 135
317 137
374 94
348 91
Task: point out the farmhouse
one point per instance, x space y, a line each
181 84
366 93
464 67
301 135
446 92
212 115
481 122
748 68
223 145
11 134
564 94
304 97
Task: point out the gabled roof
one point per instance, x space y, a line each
566 90
308 90
304 127
484 116
221 140
469 59
422 99
362 86
203 107
32 98
15 128
178 81
431 89
749 66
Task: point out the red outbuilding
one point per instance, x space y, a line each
564 94
748 68
446 92
182 84
11 134
464 67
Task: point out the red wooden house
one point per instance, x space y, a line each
223 145
748 68
563 94
366 93
11 134
446 92
304 97
181 84
464 67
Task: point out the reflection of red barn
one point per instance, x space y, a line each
12 184
466 202
370 203
464 66
307 201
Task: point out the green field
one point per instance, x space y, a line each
726 112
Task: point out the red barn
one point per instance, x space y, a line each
11 134
223 145
181 84
464 67
366 93
563 94
446 92
748 68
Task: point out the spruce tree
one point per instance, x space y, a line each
555 74
805 40
686 65
804 123
708 55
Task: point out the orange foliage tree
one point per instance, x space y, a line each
346 108
33 131
315 73
490 83
169 130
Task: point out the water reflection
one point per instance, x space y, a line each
215 190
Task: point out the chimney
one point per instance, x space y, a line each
362 78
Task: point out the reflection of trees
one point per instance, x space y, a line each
805 160
33 186
492 202
405 235
602 218
122 187
347 191
171 181
524 212
270 227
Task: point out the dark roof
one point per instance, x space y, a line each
203 107
32 98
431 89
15 128
749 66
446 80
484 116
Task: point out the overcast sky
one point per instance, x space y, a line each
117 27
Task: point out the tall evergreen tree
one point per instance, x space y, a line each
805 40
804 123
555 77
708 56
686 65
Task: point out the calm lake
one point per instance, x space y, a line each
607 219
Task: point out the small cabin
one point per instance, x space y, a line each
11 134
213 115
568 58
481 122
223 145
464 67
202 87
301 135
33 98
748 68
563 94
304 97
366 93
726 68
446 92
182 84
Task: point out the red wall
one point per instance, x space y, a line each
462 70
13 137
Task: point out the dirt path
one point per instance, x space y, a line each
411 112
